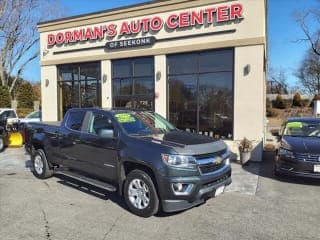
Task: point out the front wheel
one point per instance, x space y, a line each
40 165
276 172
140 194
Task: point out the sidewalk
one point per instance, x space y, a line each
244 179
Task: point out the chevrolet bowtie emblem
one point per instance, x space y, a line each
217 160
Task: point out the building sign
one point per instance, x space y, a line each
186 19
131 43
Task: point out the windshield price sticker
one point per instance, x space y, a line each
125 118
295 125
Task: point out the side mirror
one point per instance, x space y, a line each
106 133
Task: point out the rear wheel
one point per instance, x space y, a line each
140 194
40 165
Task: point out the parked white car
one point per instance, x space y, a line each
32 117
9 115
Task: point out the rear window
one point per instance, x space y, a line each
75 120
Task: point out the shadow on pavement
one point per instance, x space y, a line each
266 169
89 189
101 193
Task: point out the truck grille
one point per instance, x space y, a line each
211 162
208 168
308 157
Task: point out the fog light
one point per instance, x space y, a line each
182 188
177 187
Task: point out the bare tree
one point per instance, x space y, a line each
306 20
309 73
19 37
277 81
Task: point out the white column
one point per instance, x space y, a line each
49 93
106 84
249 94
160 63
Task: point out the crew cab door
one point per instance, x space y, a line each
70 140
99 147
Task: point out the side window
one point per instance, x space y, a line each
100 124
75 120
12 114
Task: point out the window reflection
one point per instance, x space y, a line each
79 86
202 100
183 101
133 83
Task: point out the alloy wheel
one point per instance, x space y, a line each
38 164
139 194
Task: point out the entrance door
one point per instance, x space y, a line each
201 92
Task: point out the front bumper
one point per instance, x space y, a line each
296 168
204 187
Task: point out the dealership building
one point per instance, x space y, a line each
201 64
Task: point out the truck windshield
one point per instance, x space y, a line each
302 129
143 123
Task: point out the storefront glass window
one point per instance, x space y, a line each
201 92
80 86
133 83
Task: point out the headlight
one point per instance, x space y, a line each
179 160
285 152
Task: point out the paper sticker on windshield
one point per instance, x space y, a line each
294 125
125 118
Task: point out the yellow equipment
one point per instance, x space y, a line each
14 139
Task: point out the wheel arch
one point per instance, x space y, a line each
36 145
128 166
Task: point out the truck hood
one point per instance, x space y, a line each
187 143
303 144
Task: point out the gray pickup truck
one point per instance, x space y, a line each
139 154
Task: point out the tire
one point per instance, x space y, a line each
1 144
139 185
40 165
275 170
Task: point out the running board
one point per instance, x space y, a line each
91 181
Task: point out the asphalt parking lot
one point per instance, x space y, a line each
255 206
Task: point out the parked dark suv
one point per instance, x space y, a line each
137 153
299 152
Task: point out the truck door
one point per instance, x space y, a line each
70 140
99 147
